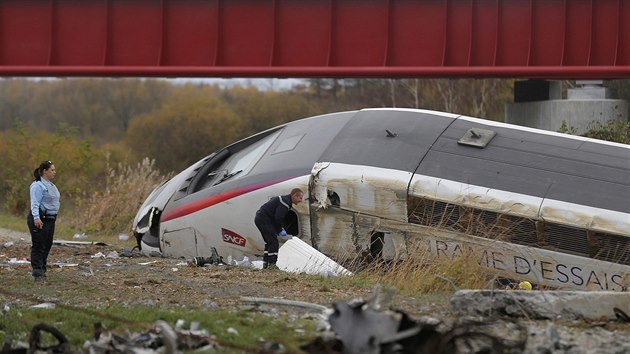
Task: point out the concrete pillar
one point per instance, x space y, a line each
589 103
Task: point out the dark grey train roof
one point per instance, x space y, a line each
365 141
520 160
531 162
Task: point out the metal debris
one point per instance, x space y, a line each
262 300
213 259
36 342
359 327
162 338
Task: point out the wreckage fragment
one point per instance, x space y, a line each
359 328
35 342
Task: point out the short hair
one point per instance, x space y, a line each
295 191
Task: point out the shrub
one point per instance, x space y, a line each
79 166
111 210
613 130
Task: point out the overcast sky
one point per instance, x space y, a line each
262 84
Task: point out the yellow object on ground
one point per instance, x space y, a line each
525 285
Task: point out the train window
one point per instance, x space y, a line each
477 137
288 144
246 159
241 162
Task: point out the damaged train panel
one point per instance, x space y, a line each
350 201
546 207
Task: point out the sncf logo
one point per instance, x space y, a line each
233 237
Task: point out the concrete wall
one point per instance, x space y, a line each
580 114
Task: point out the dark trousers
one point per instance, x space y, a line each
268 232
42 240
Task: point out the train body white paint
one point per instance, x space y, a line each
546 207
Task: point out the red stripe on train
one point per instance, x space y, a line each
197 205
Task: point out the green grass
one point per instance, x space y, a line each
13 223
77 325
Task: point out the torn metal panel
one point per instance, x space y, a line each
319 194
363 189
586 217
333 232
345 234
475 196
581 216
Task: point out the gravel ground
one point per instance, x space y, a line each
138 280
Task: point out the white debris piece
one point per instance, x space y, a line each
44 305
19 261
297 256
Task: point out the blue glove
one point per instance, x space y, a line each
283 233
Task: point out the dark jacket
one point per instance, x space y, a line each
275 210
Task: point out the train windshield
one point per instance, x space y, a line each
239 163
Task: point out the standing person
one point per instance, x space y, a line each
42 217
269 219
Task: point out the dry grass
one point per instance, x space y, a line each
423 273
111 210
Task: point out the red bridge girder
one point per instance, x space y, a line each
316 38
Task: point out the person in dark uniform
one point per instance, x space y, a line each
42 217
269 221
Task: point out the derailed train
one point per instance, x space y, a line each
529 204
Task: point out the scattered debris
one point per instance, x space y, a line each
147 263
36 342
44 305
80 236
64 264
161 338
359 328
213 259
22 260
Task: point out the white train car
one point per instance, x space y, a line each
534 205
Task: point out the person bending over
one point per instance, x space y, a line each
269 221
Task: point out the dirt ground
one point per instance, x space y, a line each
133 279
